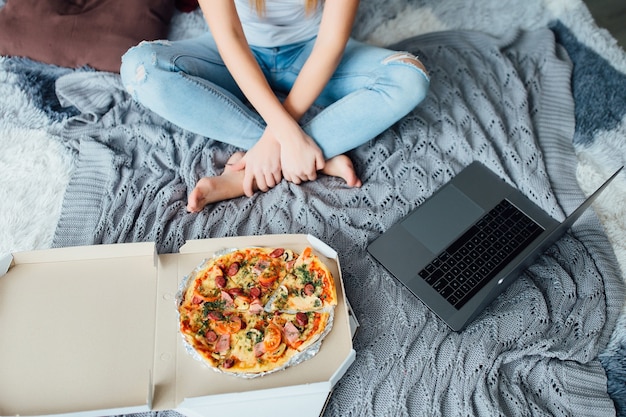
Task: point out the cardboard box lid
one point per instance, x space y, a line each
75 324
96 328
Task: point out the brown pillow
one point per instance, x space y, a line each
76 33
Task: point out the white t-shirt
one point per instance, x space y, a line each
283 22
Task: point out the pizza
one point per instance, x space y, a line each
308 286
256 310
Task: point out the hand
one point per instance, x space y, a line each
300 158
262 165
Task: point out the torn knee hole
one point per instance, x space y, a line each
140 76
407 58
140 73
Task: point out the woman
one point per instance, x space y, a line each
228 84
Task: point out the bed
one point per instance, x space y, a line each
535 90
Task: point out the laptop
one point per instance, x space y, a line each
466 243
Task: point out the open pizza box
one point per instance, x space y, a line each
93 331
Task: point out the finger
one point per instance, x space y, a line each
248 184
291 177
278 177
260 182
320 162
309 175
239 165
270 182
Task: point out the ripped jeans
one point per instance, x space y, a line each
187 83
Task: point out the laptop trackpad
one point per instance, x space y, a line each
442 218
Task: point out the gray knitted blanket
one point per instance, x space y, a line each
505 102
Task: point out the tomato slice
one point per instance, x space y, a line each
232 324
267 280
273 337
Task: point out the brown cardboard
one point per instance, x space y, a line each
96 329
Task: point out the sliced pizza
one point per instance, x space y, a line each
240 343
242 279
302 329
225 316
309 286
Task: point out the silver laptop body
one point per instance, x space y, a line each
423 251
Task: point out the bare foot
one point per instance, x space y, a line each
230 183
219 188
341 166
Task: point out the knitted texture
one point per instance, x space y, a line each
506 102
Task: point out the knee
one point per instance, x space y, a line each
410 77
135 64
133 68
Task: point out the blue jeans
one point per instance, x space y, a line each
187 83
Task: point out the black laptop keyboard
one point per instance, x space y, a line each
461 270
